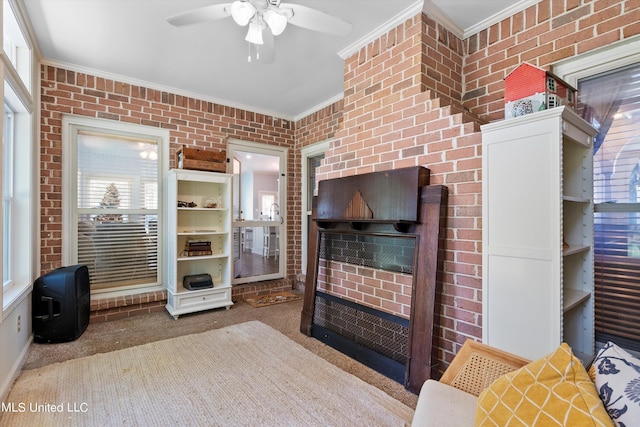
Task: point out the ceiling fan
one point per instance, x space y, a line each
263 15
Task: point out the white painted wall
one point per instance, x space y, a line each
14 344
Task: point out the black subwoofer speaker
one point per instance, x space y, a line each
61 303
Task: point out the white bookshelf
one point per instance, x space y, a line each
537 237
209 220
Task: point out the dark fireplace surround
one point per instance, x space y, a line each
392 221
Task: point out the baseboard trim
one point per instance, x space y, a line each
15 370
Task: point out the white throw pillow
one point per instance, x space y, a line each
616 374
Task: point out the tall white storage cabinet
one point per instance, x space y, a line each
537 236
209 221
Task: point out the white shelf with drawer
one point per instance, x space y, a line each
198 213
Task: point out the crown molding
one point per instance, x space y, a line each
500 16
401 17
156 86
437 14
319 107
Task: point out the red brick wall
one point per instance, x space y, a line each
190 122
541 35
316 127
126 306
417 95
383 290
319 126
400 111
397 113
442 61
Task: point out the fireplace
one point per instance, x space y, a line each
375 256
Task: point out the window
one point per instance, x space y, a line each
551 84
608 83
312 157
610 103
19 194
15 45
268 204
7 197
114 210
18 197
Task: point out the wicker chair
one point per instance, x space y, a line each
474 368
477 365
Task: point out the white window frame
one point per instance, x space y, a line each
598 61
18 78
7 197
16 47
70 126
306 152
602 60
22 206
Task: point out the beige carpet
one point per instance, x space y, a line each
241 375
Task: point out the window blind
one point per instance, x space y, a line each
611 102
117 209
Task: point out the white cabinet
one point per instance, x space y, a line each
198 217
537 235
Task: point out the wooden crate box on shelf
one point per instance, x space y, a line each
204 160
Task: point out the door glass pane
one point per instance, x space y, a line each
312 164
258 225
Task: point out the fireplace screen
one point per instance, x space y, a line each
372 337
376 246
391 253
349 312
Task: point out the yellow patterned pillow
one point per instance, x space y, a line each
553 391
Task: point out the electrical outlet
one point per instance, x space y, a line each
18 323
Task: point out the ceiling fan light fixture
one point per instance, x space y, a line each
276 21
242 12
254 35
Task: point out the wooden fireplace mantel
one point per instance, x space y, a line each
398 202
381 197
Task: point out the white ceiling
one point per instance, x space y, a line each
131 41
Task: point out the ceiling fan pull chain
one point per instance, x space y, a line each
252 47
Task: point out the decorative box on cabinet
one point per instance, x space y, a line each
209 221
537 236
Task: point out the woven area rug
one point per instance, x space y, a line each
274 298
242 375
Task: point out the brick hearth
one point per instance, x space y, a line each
112 308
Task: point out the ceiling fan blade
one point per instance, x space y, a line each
315 20
203 14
